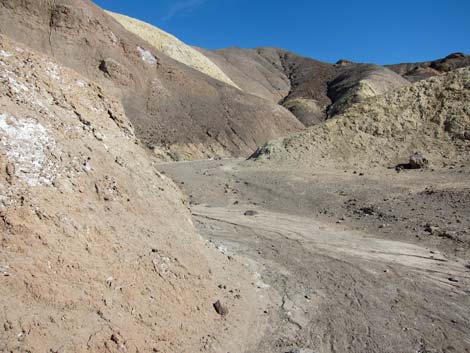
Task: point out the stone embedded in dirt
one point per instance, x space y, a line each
418 161
431 229
10 170
4 271
250 213
448 234
220 308
115 338
98 135
369 210
301 351
452 279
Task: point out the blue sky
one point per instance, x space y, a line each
377 31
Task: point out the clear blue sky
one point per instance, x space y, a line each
376 31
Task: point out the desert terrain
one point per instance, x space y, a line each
355 261
159 197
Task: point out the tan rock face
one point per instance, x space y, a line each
431 116
97 249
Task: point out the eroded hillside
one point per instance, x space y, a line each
98 251
431 117
310 89
180 112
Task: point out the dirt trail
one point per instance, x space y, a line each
330 288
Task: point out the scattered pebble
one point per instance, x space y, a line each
220 308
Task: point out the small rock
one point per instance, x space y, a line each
418 161
109 281
98 135
431 229
115 338
220 308
120 161
448 234
250 213
10 170
4 271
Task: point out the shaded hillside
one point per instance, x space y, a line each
179 110
310 89
431 117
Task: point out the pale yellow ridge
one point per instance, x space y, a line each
173 47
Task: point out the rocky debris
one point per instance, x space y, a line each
418 161
250 213
220 308
115 71
431 229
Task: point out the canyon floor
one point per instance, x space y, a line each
352 260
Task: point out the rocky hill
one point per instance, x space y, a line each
194 104
310 89
420 71
179 111
431 117
97 248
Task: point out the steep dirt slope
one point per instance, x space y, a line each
431 116
173 107
420 71
173 47
97 249
253 73
310 89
